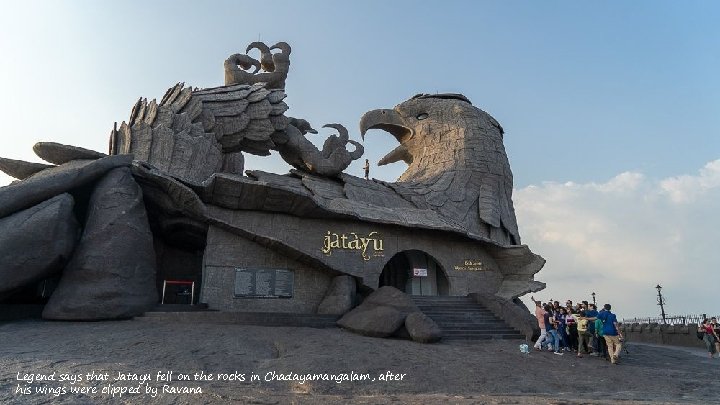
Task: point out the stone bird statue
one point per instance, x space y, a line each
457 163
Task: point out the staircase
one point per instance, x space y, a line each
461 318
200 314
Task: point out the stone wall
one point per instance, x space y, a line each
225 252
674 335
466 264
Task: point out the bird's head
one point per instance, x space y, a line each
433 130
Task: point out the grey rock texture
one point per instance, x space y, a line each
302 154
190 132
56 180
37 242
170 136
457 165
372 321
275 66
58 153
391 297
20 169
513 312
422 329
381 314
112 272
339 297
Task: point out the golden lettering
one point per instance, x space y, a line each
353 242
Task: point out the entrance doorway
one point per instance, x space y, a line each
416 273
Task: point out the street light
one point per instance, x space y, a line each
661 302
593 295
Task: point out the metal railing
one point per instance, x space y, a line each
692 319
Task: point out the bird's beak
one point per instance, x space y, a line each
390 121
387 120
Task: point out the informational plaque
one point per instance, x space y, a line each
264 283
419 272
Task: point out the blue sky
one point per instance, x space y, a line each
590 95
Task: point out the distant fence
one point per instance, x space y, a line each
671 320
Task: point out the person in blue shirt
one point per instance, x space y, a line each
611 330
551 327
591 314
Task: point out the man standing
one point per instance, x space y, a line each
591 314
367 169
540 315
611 331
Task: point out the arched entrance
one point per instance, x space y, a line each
416 273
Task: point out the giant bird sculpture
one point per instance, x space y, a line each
456 160
185 154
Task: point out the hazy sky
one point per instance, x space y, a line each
611 110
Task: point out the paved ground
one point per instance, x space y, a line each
493 372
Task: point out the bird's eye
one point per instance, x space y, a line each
422 116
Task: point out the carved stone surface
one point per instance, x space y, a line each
339 297
381 314
453 203
391 297
422 329
58 153
456 162
275 66
36 242
375 321
20 169
233 163
56 180
171 136
183 133
513 312
112 272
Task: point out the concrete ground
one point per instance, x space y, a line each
398 372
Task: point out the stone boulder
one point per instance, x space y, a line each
21 169
373 321
112 273
392 297
58 153
339 297
422 328
381 314
37 242
56 180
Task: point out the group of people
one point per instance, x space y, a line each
710 332
579 328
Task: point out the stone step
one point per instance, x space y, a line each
448 312
461 318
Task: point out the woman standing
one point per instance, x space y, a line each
710 336
572 330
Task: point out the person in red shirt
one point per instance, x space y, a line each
710 336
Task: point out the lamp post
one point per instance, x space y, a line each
593 295
661 302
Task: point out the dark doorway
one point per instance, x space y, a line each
415 272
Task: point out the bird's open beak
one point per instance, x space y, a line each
392 122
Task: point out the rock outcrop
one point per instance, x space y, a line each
58 153
56 180
21 169
381 314
36 242
339 297
112 273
